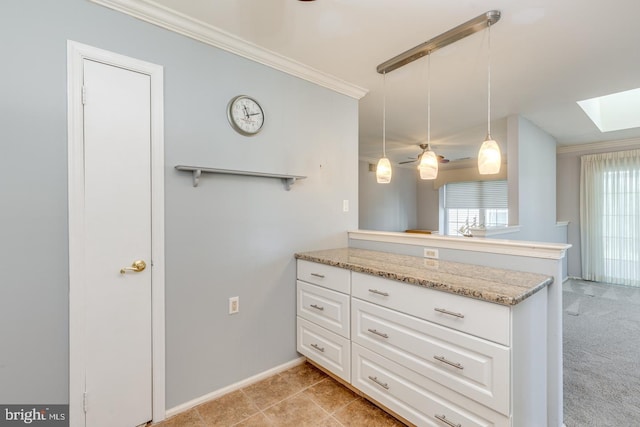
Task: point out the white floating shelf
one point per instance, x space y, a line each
287 180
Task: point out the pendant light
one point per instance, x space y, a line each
428 166
489 157
383 171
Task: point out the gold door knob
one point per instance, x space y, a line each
137 267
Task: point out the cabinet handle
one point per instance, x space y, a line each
317 347
375 291
317 307
446 421
448 362
450 313
383 335
318 275
380 383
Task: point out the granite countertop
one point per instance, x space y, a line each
497 285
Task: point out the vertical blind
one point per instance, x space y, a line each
610 217
476 195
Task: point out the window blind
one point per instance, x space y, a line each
476 195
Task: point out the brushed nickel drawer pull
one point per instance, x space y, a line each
317 347
380 383
375 291
448 362
317 307
373 331
318 275
450 313
446 421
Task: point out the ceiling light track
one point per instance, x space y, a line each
472 26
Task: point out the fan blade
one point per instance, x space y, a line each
408 161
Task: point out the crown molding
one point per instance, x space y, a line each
148 11
602 145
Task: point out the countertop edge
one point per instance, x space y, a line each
458 290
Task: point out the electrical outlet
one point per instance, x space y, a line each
234 305
431 263
345 206
431 253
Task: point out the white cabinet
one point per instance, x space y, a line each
435 358
323 316
327 349
326 308
474 367
417 398
480 318
338 279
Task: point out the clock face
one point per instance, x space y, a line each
245 115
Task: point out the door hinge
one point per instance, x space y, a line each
84 402
84 95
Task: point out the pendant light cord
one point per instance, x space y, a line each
384 113
489 80
428 100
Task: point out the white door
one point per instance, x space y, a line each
117 204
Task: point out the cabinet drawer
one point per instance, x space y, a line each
480 318
327 308
335 278
474 367
327 349
415 397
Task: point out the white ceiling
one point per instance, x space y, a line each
545 56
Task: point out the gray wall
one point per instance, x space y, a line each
387 207
532 186
230 236
568 196
535 184
428 206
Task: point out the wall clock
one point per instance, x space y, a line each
245 115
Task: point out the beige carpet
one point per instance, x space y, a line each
601 354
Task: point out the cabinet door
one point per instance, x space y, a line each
327 308
480 318
327 276
474 367
327 349
416 398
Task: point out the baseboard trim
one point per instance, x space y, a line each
233 387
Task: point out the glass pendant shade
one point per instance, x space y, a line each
383 171
489 157
428 166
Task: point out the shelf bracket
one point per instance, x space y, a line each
196 177
288 182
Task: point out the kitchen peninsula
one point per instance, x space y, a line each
434 341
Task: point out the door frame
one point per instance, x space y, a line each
76 54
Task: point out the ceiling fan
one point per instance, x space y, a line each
425 147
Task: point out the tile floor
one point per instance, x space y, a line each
300 396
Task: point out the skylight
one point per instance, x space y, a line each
614 112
